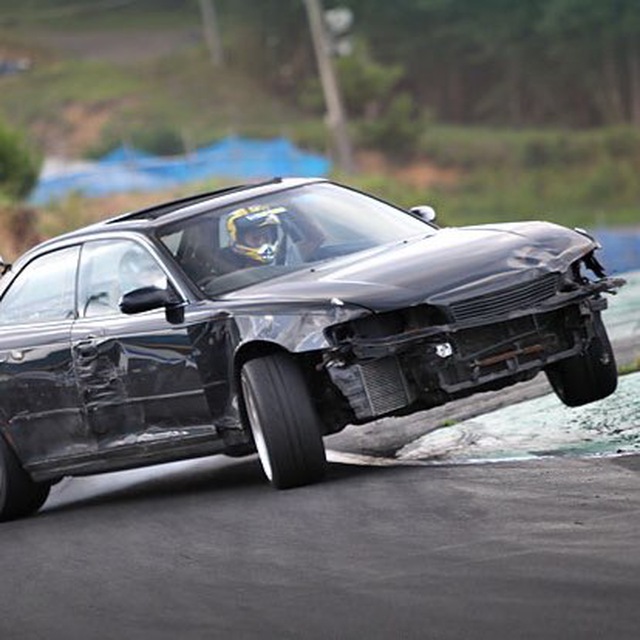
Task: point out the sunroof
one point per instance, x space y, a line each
156 211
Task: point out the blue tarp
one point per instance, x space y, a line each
127 155
129 169
620 249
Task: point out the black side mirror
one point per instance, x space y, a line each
148 298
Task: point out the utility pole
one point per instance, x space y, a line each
336 119
211 32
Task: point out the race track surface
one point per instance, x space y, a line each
544 549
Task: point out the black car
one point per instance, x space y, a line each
264 317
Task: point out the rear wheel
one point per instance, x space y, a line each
588 376
19 495
283 421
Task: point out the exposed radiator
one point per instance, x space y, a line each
373 388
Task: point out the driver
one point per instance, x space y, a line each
254 234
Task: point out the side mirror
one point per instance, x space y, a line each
424 212
148 298
4 266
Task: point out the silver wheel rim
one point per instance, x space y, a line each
256 430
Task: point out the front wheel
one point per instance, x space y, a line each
588 376
19 495
283 421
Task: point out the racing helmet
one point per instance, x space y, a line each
254 232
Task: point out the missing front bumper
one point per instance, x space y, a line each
433 369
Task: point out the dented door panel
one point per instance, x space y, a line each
139 381
40 411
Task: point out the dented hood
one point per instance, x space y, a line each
452 264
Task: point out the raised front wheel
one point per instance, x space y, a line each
588 376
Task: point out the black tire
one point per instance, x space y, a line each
283 421
20 496
588 376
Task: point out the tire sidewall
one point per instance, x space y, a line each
288 436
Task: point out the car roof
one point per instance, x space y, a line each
169 211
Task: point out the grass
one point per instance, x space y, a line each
181 92
583 178
631 367
492 196
42 14
51 89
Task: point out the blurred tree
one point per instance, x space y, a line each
19 167
595 45
532 61
521 62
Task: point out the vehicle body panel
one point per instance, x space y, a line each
41 414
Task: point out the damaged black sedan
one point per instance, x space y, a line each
264 317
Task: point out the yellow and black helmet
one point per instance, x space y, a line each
254 232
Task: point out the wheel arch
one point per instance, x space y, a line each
308 362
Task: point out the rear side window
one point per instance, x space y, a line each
44 291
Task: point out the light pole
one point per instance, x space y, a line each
211 32
336 119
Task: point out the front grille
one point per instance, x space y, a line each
506 300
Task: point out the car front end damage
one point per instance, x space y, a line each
397 362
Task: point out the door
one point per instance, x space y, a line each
137 374
40 410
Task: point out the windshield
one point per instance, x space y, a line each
268 236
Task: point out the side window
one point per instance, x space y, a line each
193 246
111 268
43 291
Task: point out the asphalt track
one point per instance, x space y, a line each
544 548
205 549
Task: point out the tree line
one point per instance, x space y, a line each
510 62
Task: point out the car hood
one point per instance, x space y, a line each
451 264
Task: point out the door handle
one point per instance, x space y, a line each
86 348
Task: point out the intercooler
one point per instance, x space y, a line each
374 388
